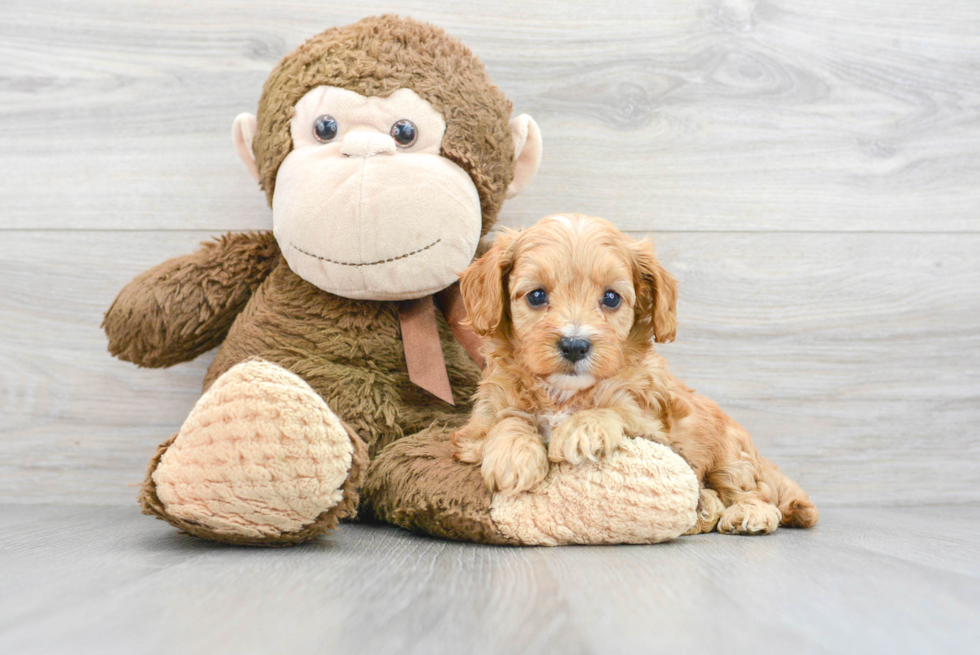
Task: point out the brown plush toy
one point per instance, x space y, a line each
385 152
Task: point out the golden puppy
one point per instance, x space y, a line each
570 308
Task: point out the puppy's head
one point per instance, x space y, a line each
572 298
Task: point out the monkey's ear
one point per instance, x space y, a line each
527 153
656 293
482 285
242 133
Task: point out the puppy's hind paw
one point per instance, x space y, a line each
466 449
799 513
710 509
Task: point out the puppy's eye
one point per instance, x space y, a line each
611 299
404 133
325 128
537 297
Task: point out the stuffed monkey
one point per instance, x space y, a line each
385 153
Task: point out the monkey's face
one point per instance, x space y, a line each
365 206
385 151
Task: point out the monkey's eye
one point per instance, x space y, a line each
325 128
537 297
404 133
611 299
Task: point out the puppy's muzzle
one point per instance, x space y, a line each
574 349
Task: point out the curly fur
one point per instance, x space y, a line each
185 306
533 405
239 293
376 57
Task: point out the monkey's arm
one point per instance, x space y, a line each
184 307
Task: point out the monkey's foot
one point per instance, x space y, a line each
644 493
261 460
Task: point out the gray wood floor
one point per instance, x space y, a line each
809 171
107 580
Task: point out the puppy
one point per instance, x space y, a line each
570 309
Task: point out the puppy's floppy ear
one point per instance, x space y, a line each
656 293
482 285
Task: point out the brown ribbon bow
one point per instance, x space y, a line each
420 337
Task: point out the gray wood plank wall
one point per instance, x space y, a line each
810 171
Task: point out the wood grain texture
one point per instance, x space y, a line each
107 580
707 115
853 359
811 168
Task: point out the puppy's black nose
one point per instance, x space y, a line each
574 349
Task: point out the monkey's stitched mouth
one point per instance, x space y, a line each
356 264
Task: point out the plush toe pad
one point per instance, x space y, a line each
644 493
260 455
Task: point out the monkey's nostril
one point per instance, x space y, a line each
574 349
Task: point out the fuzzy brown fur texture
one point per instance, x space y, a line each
185 306
417 485
239 293
376 57
350 352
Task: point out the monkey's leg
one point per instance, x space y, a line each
643 494
261 460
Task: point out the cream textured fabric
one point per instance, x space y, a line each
261 454
643 494
363 218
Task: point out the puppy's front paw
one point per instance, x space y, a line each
750 516
710 509
514 460
586 436
467 447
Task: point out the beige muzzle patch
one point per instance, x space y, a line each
261 454
363 217
643 494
